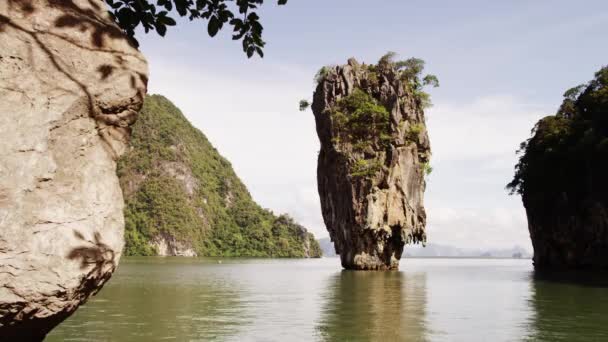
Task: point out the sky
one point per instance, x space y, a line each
502 66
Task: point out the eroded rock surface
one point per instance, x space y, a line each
70 87
167 245
371 167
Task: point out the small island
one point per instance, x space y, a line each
374 156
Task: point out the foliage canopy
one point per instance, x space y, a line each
568 152
410 71
156 16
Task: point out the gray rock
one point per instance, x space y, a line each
371 187
168 245
70 87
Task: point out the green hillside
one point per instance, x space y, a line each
180 190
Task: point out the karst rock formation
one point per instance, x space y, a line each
70 86
371 166
562 176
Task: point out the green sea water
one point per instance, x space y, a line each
181 299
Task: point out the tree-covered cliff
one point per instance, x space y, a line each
183 198
562 176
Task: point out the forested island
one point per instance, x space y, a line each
183 198
562 178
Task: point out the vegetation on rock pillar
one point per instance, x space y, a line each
362 123
374 157
155 16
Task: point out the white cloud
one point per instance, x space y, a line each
473 157
256 124
491 126
499 227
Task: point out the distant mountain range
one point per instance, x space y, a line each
436 250
327 247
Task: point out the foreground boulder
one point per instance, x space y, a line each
70 86
562 176
374 154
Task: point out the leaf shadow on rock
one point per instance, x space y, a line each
96 254
100 30
22 317
24 325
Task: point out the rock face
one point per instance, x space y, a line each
167 245
70 86
371 167
562 177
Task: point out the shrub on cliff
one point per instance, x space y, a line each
362 122
408 70
360 118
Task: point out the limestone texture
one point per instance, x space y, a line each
371 166
70 86
168 245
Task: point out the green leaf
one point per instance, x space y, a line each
161 29
213 26
200 4
181 6
153 15
168 21
259 51
126 16
304 104
430 80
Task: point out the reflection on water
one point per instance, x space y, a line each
374 306
477 299
180 299
571 307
